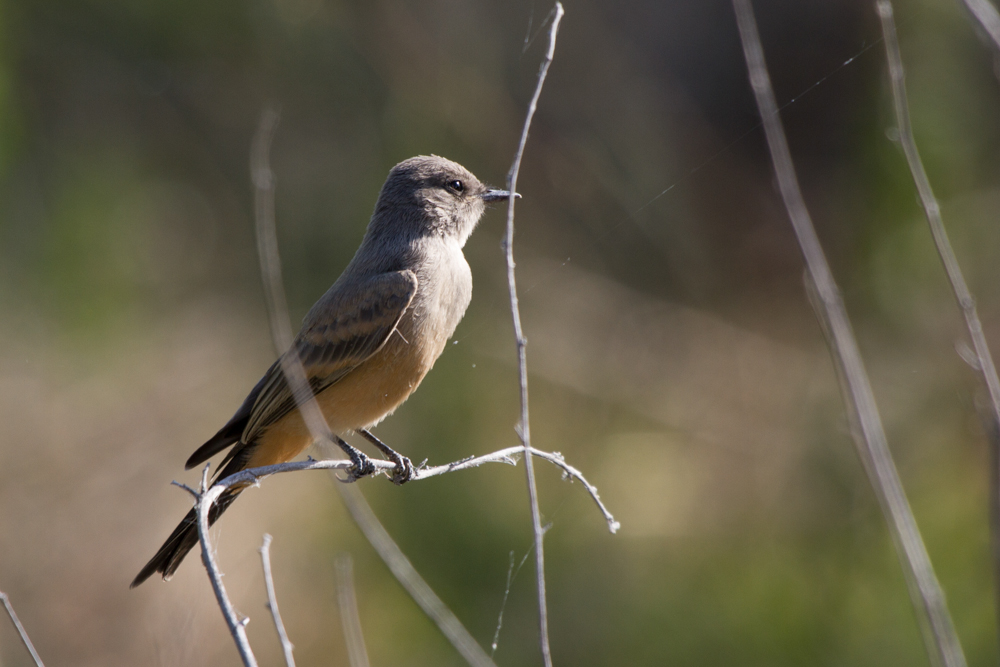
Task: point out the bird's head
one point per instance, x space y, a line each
428 194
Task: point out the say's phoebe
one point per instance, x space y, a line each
369 341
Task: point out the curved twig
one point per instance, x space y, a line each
508 455
523 429
204 500
253 476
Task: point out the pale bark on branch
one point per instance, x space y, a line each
523 428
22 633
963 295
927 597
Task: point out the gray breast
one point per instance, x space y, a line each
444 290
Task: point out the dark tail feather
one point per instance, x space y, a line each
181 541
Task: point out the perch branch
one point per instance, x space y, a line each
524 430
252 476
397 562
928 598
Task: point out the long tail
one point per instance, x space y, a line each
181 541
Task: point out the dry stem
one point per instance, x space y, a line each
925 591
987 16
349 616
380 540
272 602
523 429
20 629
237 627
984 361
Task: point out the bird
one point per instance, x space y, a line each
367 343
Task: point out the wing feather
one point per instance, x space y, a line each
346 327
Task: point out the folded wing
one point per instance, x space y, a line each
345 327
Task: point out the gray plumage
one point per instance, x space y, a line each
368 342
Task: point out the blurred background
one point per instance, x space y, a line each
674 357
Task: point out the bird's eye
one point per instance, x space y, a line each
457 186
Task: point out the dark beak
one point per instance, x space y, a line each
496 195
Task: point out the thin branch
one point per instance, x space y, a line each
379 538
20 630
509 456
522 364
272 602
237 627
376 534
349 616
987 16
270 269
966 302
925 591
384 545
410 579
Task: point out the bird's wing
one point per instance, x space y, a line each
348 326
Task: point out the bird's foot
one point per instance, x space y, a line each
404 470
362 465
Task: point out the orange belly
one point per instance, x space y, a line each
361 399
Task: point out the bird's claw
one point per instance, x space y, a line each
404 470
361 465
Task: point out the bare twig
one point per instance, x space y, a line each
410 579
270 269
522 364
20 629
267 238
237 627
984 360
509 456
373 530
928 598
387 549
272 602
987 16
349 616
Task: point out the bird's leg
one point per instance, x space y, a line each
362 464
404 467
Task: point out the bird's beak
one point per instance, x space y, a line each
496 195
